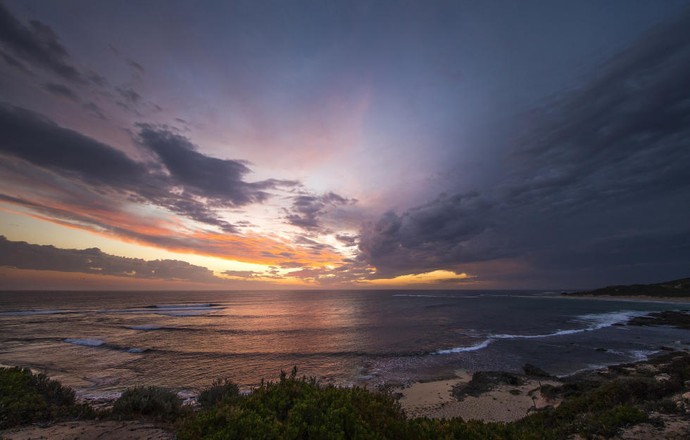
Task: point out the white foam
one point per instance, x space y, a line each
475 347
595 321
85 342
547 335
642 355
602 320
136 350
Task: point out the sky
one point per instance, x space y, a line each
343 144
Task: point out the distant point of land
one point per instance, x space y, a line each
668 289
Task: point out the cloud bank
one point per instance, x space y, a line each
598 183
22 255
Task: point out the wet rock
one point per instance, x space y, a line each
534 371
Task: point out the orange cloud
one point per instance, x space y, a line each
436 277
173 235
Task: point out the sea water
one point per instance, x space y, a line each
103 342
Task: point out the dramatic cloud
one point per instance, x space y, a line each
22 255
307 209
580 183
204 176
487 153
36 44
191 184
624 136
439 234
348 240
167 234
37 140
79 182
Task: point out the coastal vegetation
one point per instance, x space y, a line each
152 402
27 397
593 405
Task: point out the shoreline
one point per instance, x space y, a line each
494 397
509 403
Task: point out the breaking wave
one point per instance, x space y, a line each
594 321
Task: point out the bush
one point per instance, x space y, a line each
150 402
607 423
300 408
26 397
295 408
222 390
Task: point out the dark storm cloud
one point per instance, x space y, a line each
61 91
37 140
437 235
583 176
21 255
181 179
625 250
624 136
36 44
307 209
205 176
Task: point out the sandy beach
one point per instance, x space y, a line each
505 403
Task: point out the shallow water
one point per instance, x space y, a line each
99 342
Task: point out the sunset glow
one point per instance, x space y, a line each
348 145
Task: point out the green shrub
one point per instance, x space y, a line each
300 408
295 408
26 397
150 402
607 423
220 391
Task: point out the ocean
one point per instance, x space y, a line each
103 342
